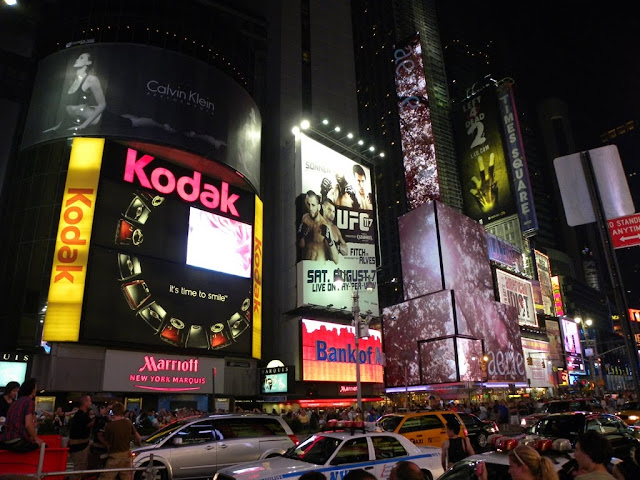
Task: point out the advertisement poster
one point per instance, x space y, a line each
518 293
276 379
329 353
416 131
544 276
555 342
171 259
486 188
335 229
539 371
139 92
572 347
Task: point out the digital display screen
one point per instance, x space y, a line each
275 383
171 256
12 372
218 243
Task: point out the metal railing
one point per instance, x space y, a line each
151 470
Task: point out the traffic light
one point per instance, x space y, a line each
529 360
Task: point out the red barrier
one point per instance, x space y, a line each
55 460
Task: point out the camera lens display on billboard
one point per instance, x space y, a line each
163 272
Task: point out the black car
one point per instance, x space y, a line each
570 425
478 430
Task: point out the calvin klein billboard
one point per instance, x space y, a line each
138 92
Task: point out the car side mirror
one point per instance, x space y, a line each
177 441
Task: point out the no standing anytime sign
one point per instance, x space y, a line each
625 231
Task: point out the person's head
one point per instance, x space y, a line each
85 402
312 202
11 390
406 470
28 388
313 475
329 209
118 409
592 449
83 60
626 470
453 429
360 177
525 462
359 474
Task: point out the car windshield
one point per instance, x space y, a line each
316 449
563 426
164 432
390 422
630 406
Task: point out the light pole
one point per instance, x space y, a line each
338 281
589 342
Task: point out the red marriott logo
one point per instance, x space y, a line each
188 188
167 365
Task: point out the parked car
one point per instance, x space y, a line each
335 453
424 428
570 425
199 446
629 412
478 430
560 406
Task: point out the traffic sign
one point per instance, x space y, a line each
625 231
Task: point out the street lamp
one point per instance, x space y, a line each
338 281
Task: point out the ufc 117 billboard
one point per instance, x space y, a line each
329 353
335 228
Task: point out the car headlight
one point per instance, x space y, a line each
523 422
633 418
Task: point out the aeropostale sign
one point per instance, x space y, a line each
139 371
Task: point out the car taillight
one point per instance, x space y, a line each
466 432
294 439
543 445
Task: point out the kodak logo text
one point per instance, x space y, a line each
70 235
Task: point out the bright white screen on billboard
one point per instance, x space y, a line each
518 293
12 372
571 337
219 243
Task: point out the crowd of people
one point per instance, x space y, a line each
100 436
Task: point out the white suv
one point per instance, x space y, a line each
199 446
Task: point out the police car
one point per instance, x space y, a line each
496 461
336 453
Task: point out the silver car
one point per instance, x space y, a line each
198 447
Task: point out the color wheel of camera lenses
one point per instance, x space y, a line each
138 297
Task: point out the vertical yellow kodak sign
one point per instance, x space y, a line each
69 270
256 351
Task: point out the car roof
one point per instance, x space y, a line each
420 412
502 458
234 415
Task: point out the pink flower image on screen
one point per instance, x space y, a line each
219 243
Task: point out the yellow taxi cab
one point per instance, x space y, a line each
423 428
629 412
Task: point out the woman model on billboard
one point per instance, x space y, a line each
84 99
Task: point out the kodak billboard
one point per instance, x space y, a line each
69 270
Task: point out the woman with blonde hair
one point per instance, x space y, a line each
525 463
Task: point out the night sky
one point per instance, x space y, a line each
586 53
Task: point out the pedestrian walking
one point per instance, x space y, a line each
80 436
455 448
117 435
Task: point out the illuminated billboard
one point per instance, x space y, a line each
518 293
148 372
329 353
276 379
543 265
572 347
172 259
484 175
558 304
516 158
69 269
504 253
334 228
416 132
144 93
539 368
